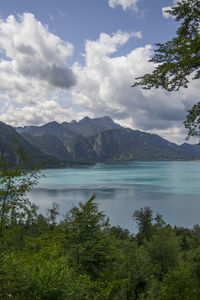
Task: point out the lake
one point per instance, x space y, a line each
169 188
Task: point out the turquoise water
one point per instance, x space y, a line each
169 188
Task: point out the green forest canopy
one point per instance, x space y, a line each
83 257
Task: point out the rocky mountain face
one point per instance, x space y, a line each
11 142
127 144
101 139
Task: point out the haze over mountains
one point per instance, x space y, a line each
90 140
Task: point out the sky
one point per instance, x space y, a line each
62 60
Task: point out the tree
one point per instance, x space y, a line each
15 183
16 211
53 213
144 219
179 58
192 122
179 284
147 224
86 231
163 249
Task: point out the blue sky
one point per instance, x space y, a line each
75 20
64 59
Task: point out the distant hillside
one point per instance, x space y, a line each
65 131
48 144
191 149
127 144
52 128
88 127
101 139
10 141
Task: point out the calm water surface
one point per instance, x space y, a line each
169 188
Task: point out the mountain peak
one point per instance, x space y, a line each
52 123
106 118
85 119
99 119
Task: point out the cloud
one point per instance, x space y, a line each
34 72
51 17
38 86
39 113
104 88
33 53
126 4
165 14
61 13
137 34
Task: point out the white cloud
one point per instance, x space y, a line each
137 34
166 14
126 4
33 53
164 10
61 13
38 114
51 17
34 64
103 87
33 71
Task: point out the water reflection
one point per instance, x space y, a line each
119 203
169 188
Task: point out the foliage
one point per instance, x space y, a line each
147 224
192 122
15 183
87 238
179 58
82 257
179 284
32 276
164 251
144 218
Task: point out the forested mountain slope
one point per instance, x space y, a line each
49 144
101 139
127 144
11 142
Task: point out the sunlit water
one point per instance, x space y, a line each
169 188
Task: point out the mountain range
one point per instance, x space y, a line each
89 140
65 131
12 142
